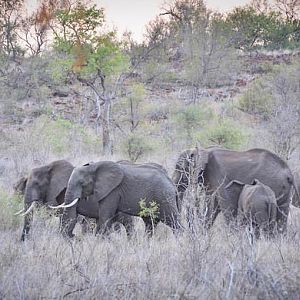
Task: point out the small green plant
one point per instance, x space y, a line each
150 211
8 206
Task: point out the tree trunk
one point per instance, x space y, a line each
106 138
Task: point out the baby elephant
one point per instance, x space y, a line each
256 206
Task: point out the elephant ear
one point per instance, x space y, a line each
20 185
59 174
234 189
109 175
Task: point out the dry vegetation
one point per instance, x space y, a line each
193 80
215 265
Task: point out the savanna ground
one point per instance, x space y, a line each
199 77
213 264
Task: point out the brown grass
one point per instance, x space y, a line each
214 265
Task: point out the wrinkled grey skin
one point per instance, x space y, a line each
47 185
118 188
256 206
216 167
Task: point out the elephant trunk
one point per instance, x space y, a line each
28 217
68 220
31 198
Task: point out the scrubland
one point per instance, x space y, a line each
215 264
199 78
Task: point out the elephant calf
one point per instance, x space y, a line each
256 206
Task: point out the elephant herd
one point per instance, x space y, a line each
252 187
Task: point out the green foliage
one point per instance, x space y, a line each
225 133
150 211
46 136
257 99
78 26
252 28
8 206
136 145
191 119
80 35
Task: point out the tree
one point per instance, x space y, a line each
10 18
95 59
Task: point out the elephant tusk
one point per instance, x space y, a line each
56 207
19 212
67 205
33 204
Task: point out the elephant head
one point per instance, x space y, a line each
97 179
189 167
45 185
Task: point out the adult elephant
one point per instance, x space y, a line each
119 188
46 185
215 168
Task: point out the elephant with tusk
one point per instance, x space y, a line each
45 185
118 188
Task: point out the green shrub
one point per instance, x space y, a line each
135 146
191 119
62 136
225 133
257 99
9 205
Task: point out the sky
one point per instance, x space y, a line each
133 15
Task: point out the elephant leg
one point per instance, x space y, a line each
126 220
68 222
282 216
211 211
229 210
107 213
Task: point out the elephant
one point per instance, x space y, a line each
256 206
46 185
214 168
119 188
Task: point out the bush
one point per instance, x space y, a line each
225 133
8 206
257 99
191 119
135 146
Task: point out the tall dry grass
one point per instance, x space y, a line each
198 264
215 264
